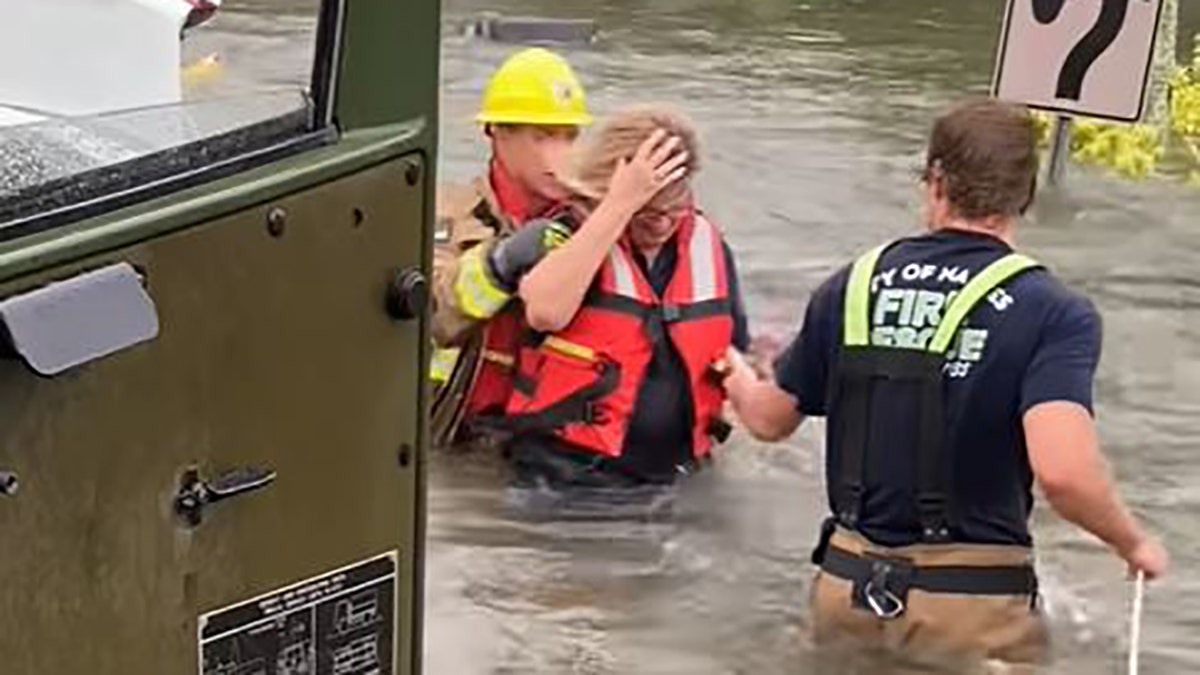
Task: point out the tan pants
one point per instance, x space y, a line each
975 633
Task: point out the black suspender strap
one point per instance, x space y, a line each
862 366
934 465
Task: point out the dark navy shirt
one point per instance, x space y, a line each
1030 341
660 434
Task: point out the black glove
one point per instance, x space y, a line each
513 256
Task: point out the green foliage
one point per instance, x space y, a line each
1185 97
1132 150
1135 151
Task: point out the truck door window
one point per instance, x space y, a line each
102 103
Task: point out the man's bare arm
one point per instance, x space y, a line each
1064 452
768 412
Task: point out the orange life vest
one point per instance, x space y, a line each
494 380
582 383
504 332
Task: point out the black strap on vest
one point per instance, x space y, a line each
483 213
656 317
578 407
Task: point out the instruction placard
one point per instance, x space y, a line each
339 623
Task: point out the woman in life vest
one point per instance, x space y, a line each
615 383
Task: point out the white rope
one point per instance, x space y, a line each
1135 621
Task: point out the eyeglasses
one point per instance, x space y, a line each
649 215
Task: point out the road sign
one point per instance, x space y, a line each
1086 57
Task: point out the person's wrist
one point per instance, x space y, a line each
738 380
621 206
1129 545
492 268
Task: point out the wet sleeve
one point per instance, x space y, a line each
741 325
449 324
802 369
1063 367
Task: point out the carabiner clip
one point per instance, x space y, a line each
878 599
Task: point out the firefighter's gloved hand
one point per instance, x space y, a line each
513 256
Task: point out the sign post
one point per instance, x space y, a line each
1060 144
1077 58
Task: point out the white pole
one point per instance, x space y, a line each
1135 621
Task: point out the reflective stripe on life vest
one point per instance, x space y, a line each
499 358
568 348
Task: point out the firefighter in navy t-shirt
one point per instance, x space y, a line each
953 372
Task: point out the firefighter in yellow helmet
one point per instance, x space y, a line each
491 234
531 113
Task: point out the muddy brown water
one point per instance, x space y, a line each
813 116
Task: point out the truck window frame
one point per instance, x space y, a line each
319 129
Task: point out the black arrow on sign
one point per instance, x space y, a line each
1047 11
1089 48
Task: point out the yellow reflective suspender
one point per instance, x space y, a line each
857 328
857 320
977 289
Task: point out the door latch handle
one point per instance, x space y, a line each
9 484
195 494
407 294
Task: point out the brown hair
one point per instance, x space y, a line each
619 138
985 153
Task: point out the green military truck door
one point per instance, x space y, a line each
237 494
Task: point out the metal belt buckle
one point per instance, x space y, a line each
886 590
883 602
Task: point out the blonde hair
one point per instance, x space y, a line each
619 138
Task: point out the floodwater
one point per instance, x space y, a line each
813 116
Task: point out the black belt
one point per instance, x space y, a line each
966 580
